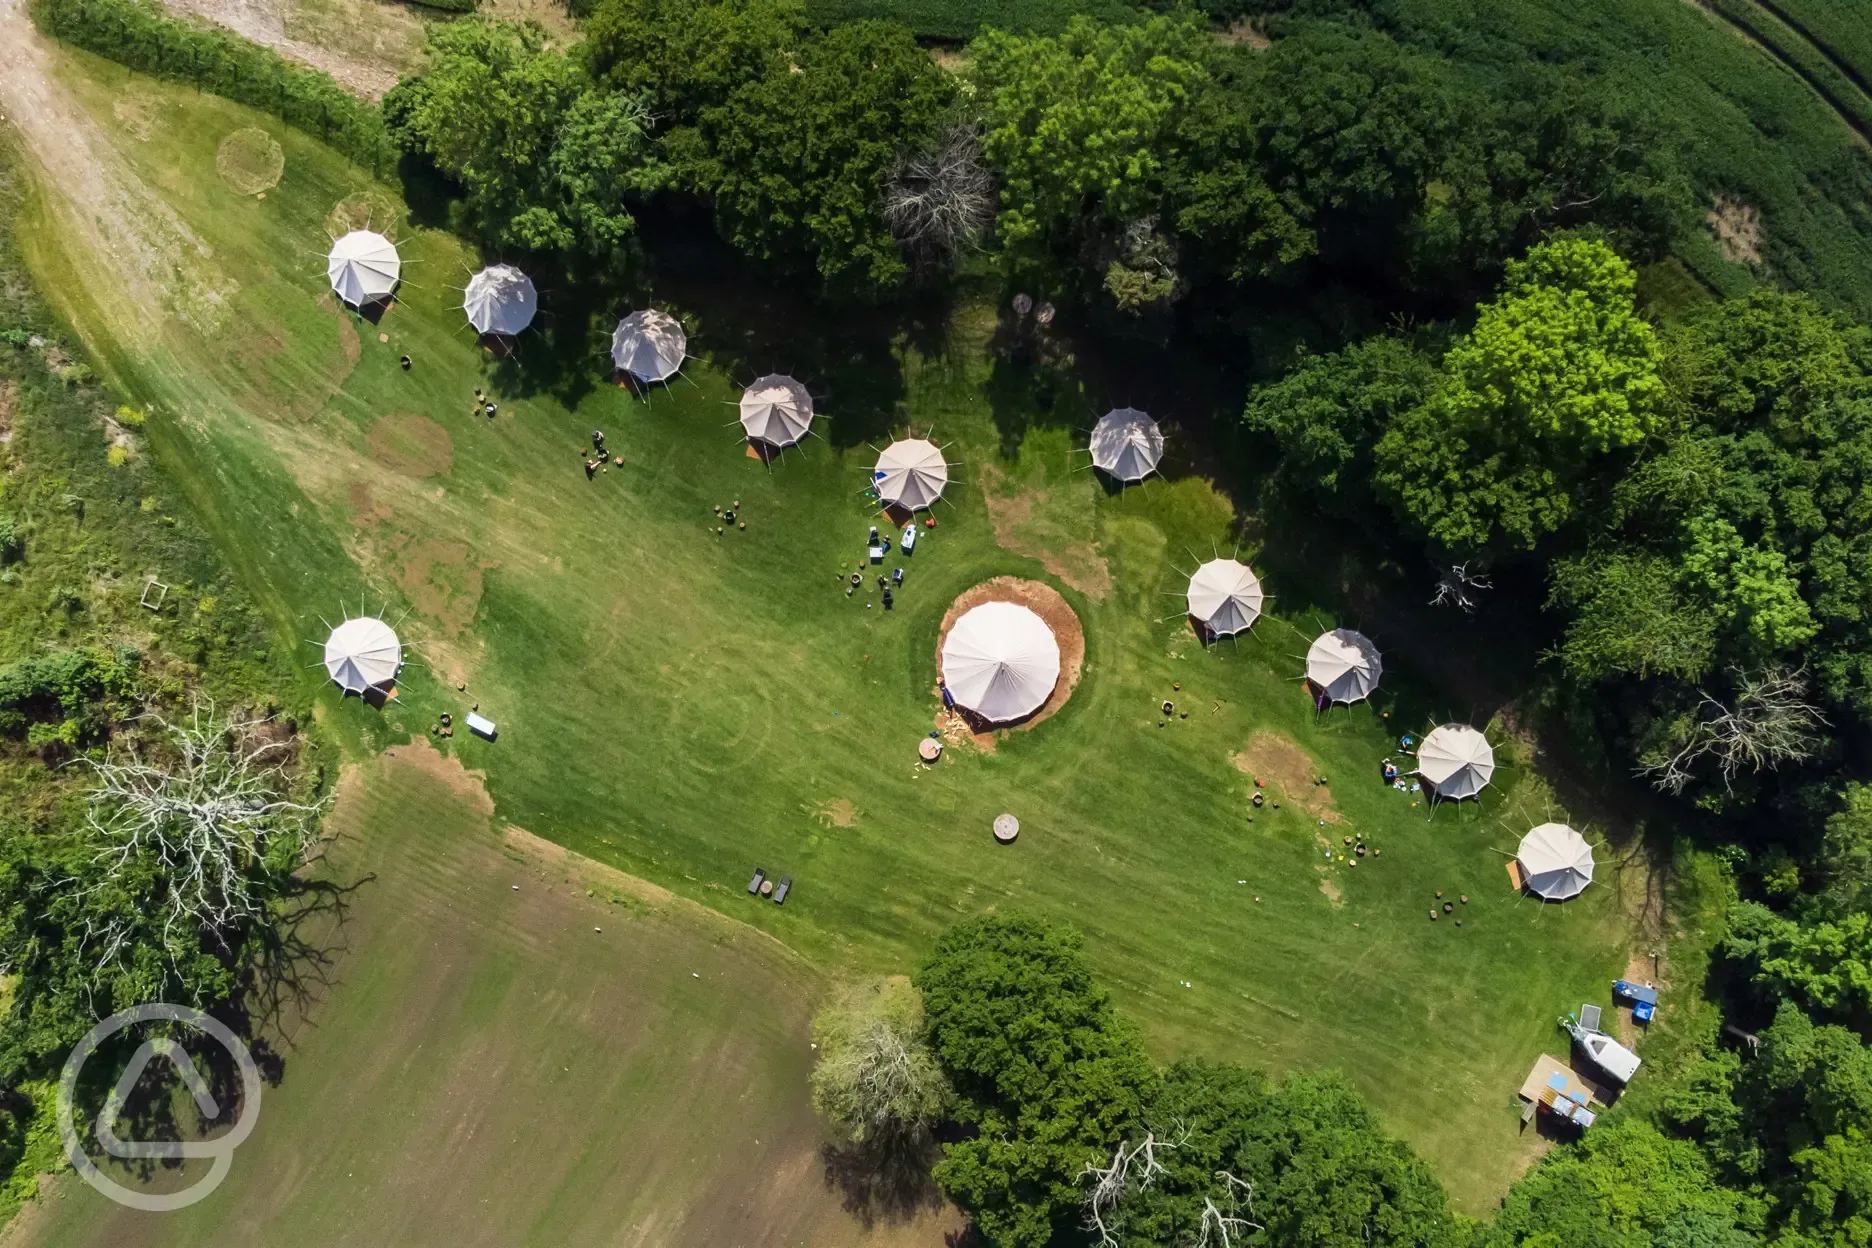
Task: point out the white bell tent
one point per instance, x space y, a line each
1126 445
776 410
1556 862
1344 665
649 345
363 654
1000 661
910 474
1224 597
1456 761
363 267
500 299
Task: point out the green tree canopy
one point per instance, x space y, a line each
1327 413
1743 542
681 57
543 160
1559 371
1044 1070
1082 124
1307 1163
795 160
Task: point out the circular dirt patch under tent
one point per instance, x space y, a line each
1044 601
366 210
250 161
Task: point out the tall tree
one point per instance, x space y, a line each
1559 371
875 1080
1083 126
795 161
1045 1072
681 57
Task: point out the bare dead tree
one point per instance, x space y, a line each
209 810
937 201
1459 587
1132 1168
1772 722
1224 1229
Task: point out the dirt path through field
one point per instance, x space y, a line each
165 268
365 45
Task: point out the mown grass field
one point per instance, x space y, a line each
685 707
489 1069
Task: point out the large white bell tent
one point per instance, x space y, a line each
1556 862
362 654
1000 661
1224 597
1344 665
649 345
1456 761
910 474
500 299
363 267
776 410
1126 445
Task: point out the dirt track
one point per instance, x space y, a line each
110 209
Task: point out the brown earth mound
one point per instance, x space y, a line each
1289 771
1045 602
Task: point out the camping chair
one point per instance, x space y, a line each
1589 1017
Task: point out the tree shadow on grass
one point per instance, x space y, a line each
888 1185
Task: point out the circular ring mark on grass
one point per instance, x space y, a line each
1044 601
365 210
250 161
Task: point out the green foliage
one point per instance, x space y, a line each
1837 25
546 162
682 57
874 1080
1081 123
1326 414
794 161
63 685
1826 964
1625 1185
1742 541
962 19
1558 371
1044 1070
138 34
1846 857
1308 1161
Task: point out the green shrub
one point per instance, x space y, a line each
960 19
139 35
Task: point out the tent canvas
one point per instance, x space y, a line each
1344 664
1224 597
910 474
1126 444
1000 661
1456 761
363 267
649 345
776 410
500 299
1556 862
363 654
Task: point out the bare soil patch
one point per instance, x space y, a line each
1045 602
250 161
1289 771
837 812
1047 524
1737 227
137 110
412 445
1331 890
9 403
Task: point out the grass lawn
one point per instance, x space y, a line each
489 1069
685 707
